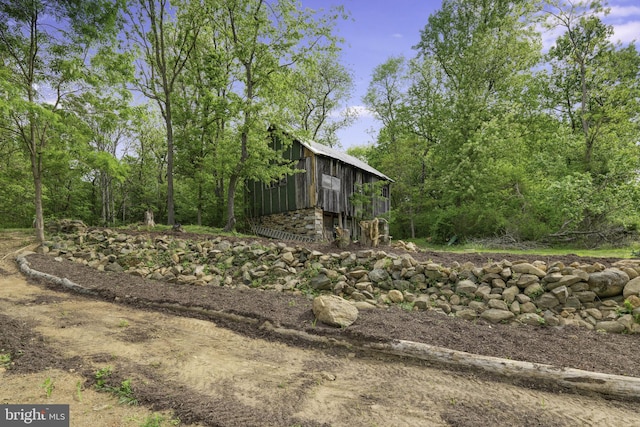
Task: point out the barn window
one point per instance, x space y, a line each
330 182
385 191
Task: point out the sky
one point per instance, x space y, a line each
380 29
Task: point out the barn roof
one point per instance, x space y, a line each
325 150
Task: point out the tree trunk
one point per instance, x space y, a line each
37 180
412 224
583 116
170 206
103 194
199 213
231 194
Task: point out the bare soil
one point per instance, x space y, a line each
211 371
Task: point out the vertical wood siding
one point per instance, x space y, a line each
326 183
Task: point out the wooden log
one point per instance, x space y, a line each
573 379
148 219
370 235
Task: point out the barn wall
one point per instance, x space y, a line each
336 184
288 194
313 202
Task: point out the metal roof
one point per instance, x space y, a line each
325 150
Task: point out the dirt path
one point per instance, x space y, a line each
206 375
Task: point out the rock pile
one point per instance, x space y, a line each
65 226
585 295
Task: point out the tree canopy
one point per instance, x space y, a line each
489 134
109 109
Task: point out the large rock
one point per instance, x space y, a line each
402 285
632 288
547 300
288 257
526 268
467 314
534 290
114 266
608 283
466 287
498 304
566 280
495 315
526 280
334 311
395 296
378 275
532 319
509 294
610 326
321 282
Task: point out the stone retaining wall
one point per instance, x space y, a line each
304 222
585 295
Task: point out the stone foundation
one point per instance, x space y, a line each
303 222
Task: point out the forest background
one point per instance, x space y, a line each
113 107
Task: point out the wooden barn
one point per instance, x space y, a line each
309 205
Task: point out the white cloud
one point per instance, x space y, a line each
623 12
360 111
625 21
397 36
549 37
357 111
627 32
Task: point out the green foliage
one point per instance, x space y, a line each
124 392
365 196
407 306
484 135
5 359
320 85
157 420
48 386
79 388
627 308
101 376
43 69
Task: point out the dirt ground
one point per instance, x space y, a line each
219 372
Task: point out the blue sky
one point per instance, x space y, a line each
379 29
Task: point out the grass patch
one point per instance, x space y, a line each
124 392
157 420
5 360
604 252
48 386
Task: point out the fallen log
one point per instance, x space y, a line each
576 380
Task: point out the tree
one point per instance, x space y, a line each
265 41
205 111
103 107
385 95
145 187
483 54
166 37
42 62
321 84
595 91
16 191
